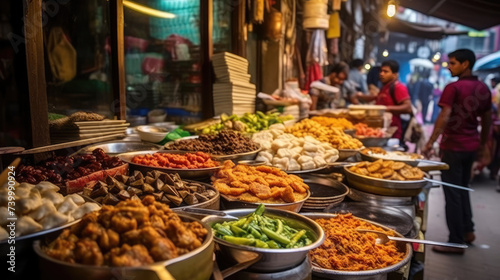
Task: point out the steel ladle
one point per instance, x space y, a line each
383 238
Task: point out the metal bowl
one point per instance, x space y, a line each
351 132
119 147
324 193
374 274
184 173
347 153
374 141
272 259
196 265
306 171
410 162
382 186
232 203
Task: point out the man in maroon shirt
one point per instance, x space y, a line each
397 104
462 102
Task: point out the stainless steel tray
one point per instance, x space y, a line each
184 173
306 171
347 153
411 162
384 187
366 274
324 192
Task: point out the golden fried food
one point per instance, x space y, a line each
387 169
132 233
334 122
347 249
333 135
264 184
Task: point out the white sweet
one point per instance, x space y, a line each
279 144
30 203
276 132
26 225
4 214
56 198
277 126
43 210
267 155
23 190
308 165
77 199
304 159
293 165
46 186
67 206
284 153
310 147
281 163
84 209
319 161
54 219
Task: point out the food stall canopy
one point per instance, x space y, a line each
428 31
477 14
488 62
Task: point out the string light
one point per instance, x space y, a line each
368 66
444 64
146 10
385 53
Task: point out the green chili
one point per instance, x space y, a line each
276 237
222 230
237 231
239 240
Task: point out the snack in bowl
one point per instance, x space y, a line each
388 170
180 161
262 184
132 233
262 231
347 249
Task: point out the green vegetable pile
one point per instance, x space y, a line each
249 123
262 231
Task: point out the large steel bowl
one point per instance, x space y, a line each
324 193
382 186
184 173
196 265
233 203
347 153
272 259
373 141
367 157
374 274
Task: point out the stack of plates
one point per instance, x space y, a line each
89 129
233 92
324 193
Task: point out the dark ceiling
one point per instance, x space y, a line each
477 14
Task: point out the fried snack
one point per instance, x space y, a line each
373 150
132 233
334 122
180 161
347 249
333 135
264 184
388 169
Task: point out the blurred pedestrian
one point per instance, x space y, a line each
462 102
357 77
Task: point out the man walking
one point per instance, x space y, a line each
462 102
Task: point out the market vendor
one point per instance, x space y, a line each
394 95
333 91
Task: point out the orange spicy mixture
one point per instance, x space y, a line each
347 249
181 161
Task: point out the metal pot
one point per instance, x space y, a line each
272 259
196 265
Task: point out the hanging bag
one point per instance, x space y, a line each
62 56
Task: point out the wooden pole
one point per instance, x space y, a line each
117 59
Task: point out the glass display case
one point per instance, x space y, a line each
163 63
77 62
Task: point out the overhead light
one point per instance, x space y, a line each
368 66
391 8
385 53
444 64
146 10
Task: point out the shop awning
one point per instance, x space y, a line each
427 31
489 62
477 14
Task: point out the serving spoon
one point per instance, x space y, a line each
383 238
203 211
